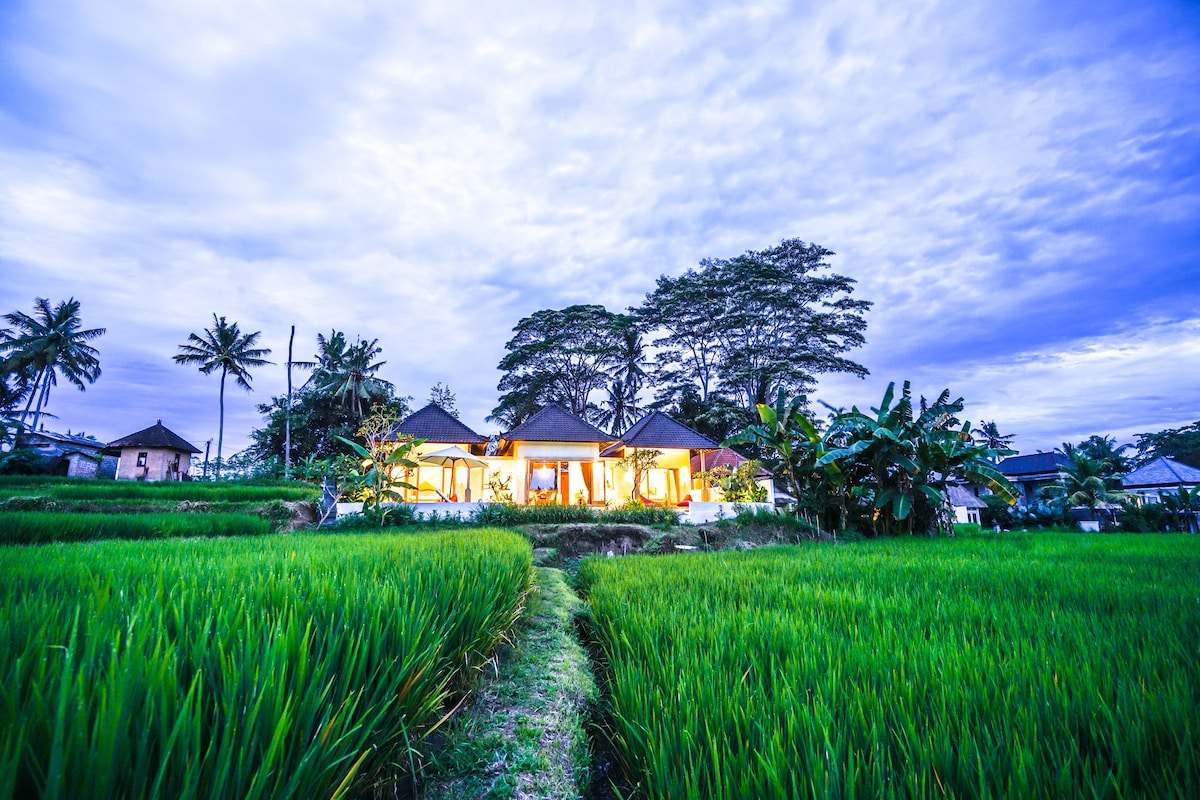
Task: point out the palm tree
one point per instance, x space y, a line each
226 348
349 373
1083 482
988 435
48 343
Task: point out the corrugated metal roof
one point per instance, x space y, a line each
556 424
1162 471
434 424
156 435
658 430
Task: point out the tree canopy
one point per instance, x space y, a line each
1181 444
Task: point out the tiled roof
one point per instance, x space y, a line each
155 436
1162 471
556 424
1034 464
725 457
434 424
658 430
961 498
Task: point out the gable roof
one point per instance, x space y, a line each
556 424
1162 471
434 424
961 498
1034 464
725 457
658 430
155 436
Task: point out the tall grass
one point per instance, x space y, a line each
508 515
160 491
279 667
39 527
1047 666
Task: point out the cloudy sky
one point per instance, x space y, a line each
1015 185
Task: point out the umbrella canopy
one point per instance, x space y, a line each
449 455
452 456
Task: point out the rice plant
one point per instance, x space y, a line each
276 667
39 527
92 489
1020 666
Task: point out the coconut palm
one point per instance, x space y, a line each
46 344
988 435
1084 481
224 347
348 373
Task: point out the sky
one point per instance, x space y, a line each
1014 185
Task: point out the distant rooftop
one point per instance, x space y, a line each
657 430
1162 471
157 435
1034 464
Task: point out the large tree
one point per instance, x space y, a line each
755 324
42 346
1180 444
348 372
559 356
224 347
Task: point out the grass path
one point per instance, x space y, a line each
522 736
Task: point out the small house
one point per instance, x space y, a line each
1148 483
1033 472
73 455
154 454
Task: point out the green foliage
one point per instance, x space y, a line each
383 459
1013 666
43 346
279 667
559 356
38 527
81 489
225 348
507 515
1181 444
22 462
755 324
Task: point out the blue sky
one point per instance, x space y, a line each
1015 185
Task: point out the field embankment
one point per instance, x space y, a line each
1023 666
272 667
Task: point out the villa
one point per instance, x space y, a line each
554 457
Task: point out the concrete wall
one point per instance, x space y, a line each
159 464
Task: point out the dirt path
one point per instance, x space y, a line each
522 735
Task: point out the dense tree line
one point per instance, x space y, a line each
710 344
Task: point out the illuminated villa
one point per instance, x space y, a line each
557 458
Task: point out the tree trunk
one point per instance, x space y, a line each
42 395
287 434
221 424
33 392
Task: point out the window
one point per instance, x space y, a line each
141 462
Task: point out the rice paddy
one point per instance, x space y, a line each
267 667
1021 666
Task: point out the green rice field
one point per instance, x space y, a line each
80 489
38 527
986 667
297 666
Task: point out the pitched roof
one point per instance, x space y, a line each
725 457
656 429
1033 464
155 436
77 439
556 424
434 424
961 498
1162 471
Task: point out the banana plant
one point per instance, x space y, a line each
376 478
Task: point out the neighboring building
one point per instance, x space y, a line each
1161 476
74 455
708 460
1032 473
670 480
153 454
965 504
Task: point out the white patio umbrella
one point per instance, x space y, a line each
452 456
